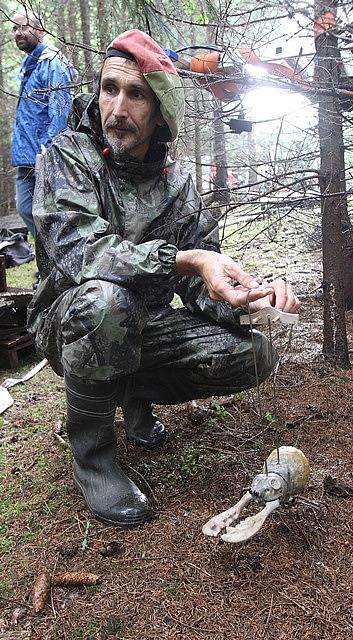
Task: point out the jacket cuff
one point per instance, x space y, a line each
167 258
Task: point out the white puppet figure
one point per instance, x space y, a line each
285 473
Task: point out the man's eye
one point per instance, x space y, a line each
109 89
138 95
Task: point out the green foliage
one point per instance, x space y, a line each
2 463
183 467
201 18
190 7
5 540
189 461
88 632
26 536
172 588
221 414
22 276
5 587
270 418
10 510
221 411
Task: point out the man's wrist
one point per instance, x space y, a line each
188 263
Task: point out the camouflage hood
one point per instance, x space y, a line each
161 75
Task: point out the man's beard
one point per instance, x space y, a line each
26 46
118 145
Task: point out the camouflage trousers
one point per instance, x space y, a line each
100 331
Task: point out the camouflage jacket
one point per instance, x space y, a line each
99 217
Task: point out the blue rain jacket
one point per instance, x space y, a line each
43 107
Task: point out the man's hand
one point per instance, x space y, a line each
281 298
226 281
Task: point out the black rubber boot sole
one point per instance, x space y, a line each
148 446
122 524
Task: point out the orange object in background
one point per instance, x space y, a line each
323 23
223 90
205 62
226 90
209 63
278 69
249 56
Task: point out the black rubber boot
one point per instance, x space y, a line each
142 427
109 493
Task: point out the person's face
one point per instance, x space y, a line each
128 108
26 36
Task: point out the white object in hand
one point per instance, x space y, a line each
262 316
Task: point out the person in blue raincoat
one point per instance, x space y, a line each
45 98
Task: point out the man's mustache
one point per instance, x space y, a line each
117 123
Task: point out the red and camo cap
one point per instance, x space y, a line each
158 71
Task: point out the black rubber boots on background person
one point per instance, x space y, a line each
109 493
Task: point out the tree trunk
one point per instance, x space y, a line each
220 188
197 134
221 192
198 144
73 35
332 187
347 245
61 28
86 40
103 18
252 175
7 195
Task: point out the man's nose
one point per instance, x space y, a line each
120 109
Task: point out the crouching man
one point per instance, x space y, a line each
121 228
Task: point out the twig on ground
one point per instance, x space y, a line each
58 426
51 590
61 440
145 481
268 618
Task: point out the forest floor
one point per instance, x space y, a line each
165 580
